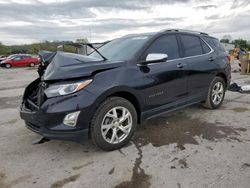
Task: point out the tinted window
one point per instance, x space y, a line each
205 47
123 48
26 57
11 57
18 58
215 44
166 45
192 45
218 45
209 41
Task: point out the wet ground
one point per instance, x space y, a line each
192 147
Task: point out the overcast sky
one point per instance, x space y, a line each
28 21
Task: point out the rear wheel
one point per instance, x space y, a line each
32 64
8 65
216 93
113 123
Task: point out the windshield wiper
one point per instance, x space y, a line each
78 45
96 50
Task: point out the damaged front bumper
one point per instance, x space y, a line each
51 126
45 115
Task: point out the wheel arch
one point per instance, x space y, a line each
10 65
125 93
222 75
131 98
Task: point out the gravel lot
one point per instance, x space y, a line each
193 147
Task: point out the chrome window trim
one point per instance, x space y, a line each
177 59
211 51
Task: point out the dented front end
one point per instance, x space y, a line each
48 115
34 95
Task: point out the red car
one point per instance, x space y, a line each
20 60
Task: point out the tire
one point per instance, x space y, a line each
215 95
105 117
8 66
32 64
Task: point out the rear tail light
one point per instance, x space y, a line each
228 57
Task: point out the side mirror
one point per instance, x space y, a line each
155 58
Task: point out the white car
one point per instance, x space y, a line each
2 57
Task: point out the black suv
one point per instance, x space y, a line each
128 80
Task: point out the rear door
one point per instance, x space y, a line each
26 60
166 82
199 58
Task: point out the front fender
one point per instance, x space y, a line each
121 89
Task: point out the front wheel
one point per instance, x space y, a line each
113 123
8 66
216 93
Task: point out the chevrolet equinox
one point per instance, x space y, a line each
105 95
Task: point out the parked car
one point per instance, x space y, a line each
131 79
2 57
20 60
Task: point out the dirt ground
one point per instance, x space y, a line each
193 147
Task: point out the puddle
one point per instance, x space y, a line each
10 102
240 109
139 177
64 181
181 129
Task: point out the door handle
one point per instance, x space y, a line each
180 65
210 59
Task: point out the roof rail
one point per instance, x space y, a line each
185 30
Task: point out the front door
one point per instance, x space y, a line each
165 82
18 61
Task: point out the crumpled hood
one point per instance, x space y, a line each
68 65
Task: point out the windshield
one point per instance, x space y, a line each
121 49
11 56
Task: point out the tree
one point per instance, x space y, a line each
224 40
227 38
240 43
1 49
82 40
4 50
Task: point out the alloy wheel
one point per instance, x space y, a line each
217 93
116 125
7 66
